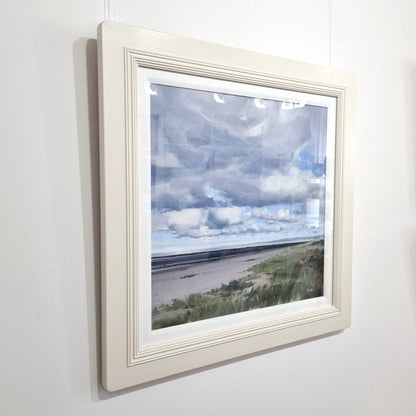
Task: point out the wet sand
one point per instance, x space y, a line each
180 281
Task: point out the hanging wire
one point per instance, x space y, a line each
329 33
108 9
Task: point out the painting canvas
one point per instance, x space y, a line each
238 200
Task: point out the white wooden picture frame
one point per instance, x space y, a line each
212 156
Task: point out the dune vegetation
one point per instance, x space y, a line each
296 273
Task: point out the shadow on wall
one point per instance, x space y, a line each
409 234
86 92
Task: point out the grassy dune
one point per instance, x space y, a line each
294 274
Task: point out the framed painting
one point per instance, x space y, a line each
226 195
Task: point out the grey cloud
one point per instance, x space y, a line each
232 147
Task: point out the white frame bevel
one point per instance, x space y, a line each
122 50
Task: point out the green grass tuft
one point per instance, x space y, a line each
294 274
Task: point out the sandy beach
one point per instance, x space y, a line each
178 282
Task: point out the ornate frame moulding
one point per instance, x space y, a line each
226 202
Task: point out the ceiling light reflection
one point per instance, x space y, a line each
291 104
218 99
149 89
259 103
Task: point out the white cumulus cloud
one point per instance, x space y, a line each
293 184
272 217
228 215
186 220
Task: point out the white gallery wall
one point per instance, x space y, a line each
49 187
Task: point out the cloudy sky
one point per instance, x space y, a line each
228 173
